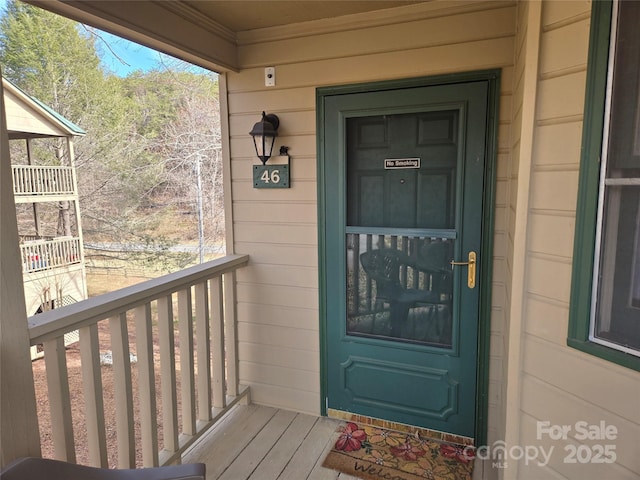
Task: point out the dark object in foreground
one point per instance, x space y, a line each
46 469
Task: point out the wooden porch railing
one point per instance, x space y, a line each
361 296
42 180
200 303
41 255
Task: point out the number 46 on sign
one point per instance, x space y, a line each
271 176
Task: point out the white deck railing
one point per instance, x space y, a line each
199 302
38 255
40 180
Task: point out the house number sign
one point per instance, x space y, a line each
271 176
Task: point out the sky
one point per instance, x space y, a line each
121 57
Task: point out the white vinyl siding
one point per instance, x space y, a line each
559 384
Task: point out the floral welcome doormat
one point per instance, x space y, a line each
372 453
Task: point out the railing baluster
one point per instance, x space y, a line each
356 273
185 325
371 302
217 339
66 181
16 180
123 391
147 386
52 253
59 400
33 181
26 264
48 180
94 407
42 185
168 374
231 333
203 352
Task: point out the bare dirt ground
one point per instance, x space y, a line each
78 405
77 397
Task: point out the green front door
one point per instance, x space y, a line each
403 197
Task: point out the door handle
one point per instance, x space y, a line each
471 270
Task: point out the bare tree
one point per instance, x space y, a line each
192 156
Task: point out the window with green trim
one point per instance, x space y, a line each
605 303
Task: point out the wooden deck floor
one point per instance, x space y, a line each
262 443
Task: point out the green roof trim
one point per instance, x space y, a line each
68 123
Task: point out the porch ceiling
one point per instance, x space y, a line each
240 16
205 32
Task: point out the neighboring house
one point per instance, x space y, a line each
429 131
51 250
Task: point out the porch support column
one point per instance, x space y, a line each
226 164
524 151
19 436
76 204
36 217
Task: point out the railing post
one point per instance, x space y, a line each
217 339
59 400
94 406
147 386
123 393
203 353
168 374
231 333
185 325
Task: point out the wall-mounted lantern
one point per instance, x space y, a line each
264 134
273 175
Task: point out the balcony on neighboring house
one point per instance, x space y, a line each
45 190
31 181
52 257
49 253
